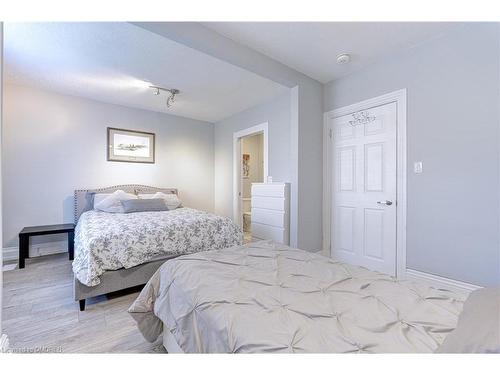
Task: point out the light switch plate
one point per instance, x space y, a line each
418 167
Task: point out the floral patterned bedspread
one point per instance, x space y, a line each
106 241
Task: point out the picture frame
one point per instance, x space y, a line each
246 165
131 146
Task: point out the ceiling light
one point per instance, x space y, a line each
343 58
171 93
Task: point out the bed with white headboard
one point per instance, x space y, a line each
115 251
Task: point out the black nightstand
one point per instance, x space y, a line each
27 232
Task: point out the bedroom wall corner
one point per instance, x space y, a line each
57 143
310 166
453 127
277 114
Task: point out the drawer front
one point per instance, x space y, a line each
269 217
268 190
270 203
267 232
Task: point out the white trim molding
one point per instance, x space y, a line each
257 129
439 281
35 250
10 254
398 97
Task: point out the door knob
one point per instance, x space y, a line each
387 203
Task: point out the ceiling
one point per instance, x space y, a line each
116 63
312 47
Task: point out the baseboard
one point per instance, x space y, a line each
47 248
10 254
4 343
439 281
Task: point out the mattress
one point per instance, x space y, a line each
269 298
110 241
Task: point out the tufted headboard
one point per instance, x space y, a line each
84 203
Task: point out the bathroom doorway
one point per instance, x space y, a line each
251 167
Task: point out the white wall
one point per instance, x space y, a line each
453 127
1 210
54 144
277 114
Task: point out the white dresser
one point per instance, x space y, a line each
271 211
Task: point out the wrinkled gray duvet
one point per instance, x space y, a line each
265 297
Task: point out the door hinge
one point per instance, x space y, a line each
330 133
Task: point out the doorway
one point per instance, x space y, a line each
250 166
365 184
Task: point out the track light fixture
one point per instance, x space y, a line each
171 93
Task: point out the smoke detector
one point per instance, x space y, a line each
343 58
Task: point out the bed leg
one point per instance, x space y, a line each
82 304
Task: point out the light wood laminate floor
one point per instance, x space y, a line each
39 313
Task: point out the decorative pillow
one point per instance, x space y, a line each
172 200
89 201
113 202
142 205
478 328
97 198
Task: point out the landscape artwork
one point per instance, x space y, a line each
130 146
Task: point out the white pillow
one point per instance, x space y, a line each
113 202
98 198
171 200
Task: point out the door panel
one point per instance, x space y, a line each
345 233
364 173
374 167
347 168
373 229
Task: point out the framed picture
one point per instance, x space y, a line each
131 146
246 165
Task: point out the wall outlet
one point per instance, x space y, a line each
269 179
417 167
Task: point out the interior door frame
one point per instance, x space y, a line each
257 129
398 97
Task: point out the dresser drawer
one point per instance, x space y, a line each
270 203
268 190
267 232
269 217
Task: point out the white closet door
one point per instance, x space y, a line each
364 189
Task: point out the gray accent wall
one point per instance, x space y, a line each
453 119
277 114
54 144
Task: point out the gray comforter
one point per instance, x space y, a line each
106 241
265 297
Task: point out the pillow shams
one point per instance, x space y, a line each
172 200
112 202
143 205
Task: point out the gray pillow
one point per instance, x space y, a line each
478 328
141 205
89 201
